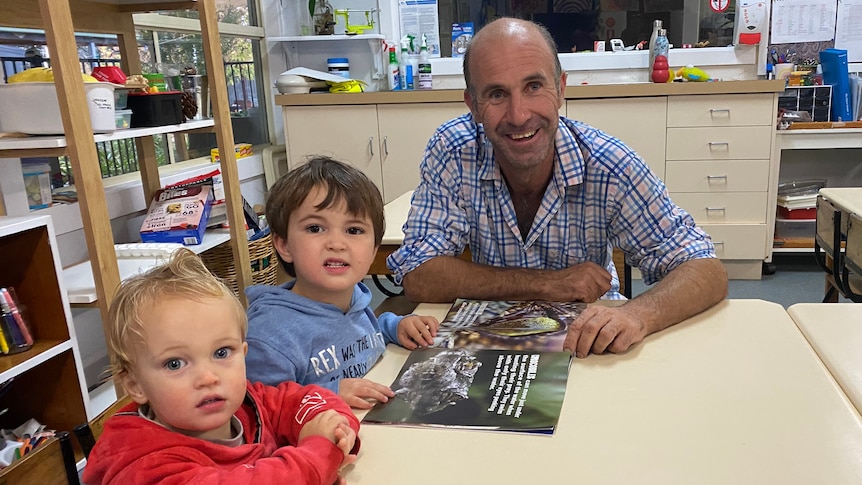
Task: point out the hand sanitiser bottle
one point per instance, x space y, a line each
425 81
406 82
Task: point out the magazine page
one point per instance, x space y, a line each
505 390
522 325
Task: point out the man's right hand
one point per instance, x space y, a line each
585 282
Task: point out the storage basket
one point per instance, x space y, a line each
264 263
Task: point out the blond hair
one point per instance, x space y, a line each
183 276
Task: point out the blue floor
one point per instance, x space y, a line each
797 279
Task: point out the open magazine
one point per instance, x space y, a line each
503 390
522 325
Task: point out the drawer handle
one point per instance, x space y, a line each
716 144
719 110
371 145
718 243
716 209
386 145
710 178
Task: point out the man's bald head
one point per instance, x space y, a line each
503 30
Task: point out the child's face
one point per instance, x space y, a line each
331 249
190 368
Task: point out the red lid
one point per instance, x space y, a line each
153 94
749 39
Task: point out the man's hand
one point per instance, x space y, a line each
585 282
601 329
357 392
416 331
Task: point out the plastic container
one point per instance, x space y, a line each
123 118
32 108
37 184
339 66
806 213
121 97
794 228
156 109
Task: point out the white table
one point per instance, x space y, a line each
734 395
834 330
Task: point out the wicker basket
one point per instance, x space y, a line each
264 264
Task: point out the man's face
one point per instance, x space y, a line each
517 99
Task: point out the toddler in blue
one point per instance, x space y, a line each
327 223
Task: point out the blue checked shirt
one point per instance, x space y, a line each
602 195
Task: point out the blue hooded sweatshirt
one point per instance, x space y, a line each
294 338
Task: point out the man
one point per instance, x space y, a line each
540 200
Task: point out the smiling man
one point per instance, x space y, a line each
541 200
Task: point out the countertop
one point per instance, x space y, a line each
587 91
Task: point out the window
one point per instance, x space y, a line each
575 24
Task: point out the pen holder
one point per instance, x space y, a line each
15 333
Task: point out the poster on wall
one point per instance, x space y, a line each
806 21
848 31
420 17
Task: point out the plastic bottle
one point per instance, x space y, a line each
425 80
404 64
656 25
394 81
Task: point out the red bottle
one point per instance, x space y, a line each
660 72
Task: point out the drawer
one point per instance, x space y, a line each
722 208
718 176
728 143
721 110
738 241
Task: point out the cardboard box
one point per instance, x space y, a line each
242 150
178 215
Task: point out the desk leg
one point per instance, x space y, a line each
830 294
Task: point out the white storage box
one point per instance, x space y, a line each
32 108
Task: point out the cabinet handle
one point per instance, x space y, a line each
371 145
710 178
713 111
718 243
386 145
719 144
715 209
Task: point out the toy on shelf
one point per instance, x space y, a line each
660 70
691 73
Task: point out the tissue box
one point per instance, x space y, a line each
178 215
242 150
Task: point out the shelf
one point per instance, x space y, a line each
324 38
43 142
81 288
820 139
42 350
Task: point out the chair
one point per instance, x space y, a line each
851 263
88 433
51 463
827 247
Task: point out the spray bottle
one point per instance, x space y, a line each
405 70
393 71
425 81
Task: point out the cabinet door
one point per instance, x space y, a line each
639 122
404 132
347 133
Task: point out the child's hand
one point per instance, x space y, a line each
325 424
345 439
416 331
357 392
348 460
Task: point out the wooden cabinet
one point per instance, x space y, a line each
45 382
385 141
61 19
720 152
639 122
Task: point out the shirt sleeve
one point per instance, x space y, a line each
388 322
436 225
656 234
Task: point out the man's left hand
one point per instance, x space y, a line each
601 329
